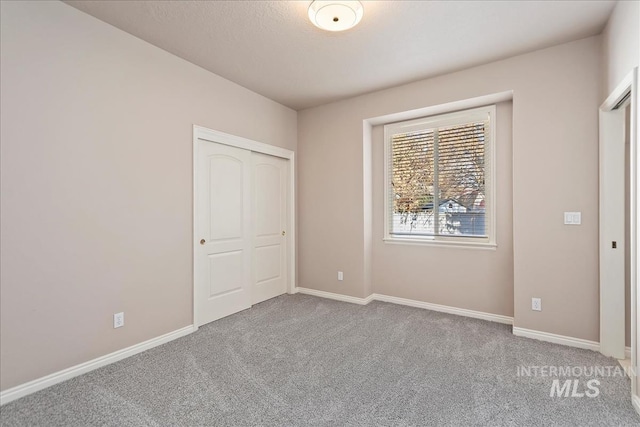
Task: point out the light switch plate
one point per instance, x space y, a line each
573 218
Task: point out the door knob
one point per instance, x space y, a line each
202 241
283 233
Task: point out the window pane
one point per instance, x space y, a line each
461 180
439 173
412 183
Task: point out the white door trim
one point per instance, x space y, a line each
612 229
629 83
211 135
204 134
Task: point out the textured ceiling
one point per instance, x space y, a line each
271 47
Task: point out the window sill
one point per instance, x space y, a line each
420 241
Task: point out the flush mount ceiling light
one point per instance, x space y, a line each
334 15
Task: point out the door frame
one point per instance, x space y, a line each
201 133
610 121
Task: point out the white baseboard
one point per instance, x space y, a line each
337 297
445 309
563 340
411 303
556 339
57 377
521 332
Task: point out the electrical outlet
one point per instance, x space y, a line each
340 275
118 320
536 304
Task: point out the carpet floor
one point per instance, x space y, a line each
299 360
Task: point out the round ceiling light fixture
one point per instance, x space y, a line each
334 15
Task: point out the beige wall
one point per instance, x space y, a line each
479 280
555 161
621 44
96 151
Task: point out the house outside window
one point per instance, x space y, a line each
439 179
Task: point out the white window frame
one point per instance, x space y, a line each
440 120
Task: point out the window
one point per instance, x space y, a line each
439 179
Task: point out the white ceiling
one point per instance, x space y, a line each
272 48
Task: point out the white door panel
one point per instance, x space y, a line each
225 273
223 264
268 178
612 219
225 223
270 219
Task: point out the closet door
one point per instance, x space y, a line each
269 194
224 229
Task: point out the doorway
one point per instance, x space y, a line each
619 223
243 224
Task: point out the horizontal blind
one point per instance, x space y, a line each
461 179
411 180
439 194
